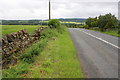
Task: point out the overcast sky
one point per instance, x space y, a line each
38 9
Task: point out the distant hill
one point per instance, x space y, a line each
72 19
37 22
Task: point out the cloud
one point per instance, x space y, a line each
85 9
38 9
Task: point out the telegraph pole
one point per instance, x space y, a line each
49 10
119 10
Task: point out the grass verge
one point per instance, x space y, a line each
113 33
109 32
57 60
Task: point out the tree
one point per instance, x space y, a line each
91 22
107 21
118 22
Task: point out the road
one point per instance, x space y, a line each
97 53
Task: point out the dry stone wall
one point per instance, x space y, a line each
15 42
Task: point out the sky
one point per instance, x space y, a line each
38 9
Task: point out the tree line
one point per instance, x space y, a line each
39 22
23 22
103 22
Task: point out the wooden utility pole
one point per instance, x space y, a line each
49 10
119 10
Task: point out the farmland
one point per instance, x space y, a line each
7 29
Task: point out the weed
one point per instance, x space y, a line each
27 57
16 71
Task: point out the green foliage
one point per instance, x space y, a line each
55 62
35 49
96 28
84 26
23 22
88 22
42 44
54 23
94 24
118 26
104 22
16 71
91 22
48 33
61 29
107 21
74 25
119 31
27 57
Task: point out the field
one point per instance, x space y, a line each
74 22
7 29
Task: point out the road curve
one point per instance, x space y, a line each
97 53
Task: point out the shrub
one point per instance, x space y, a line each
61 29
96 28
48 33
54 23
42 44
34 51
28 58
119 31
85 26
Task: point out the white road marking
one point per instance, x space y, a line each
101 39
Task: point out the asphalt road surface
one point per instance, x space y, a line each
97 53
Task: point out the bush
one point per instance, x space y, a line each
34 51
29 55
28 58
48 33
54 23
96 28
119 31
42 44
85 26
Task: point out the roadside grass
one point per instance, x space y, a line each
7 29
28 56
109 32
54 56
113 33
16 71
58 60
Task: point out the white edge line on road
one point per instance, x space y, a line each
101 39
